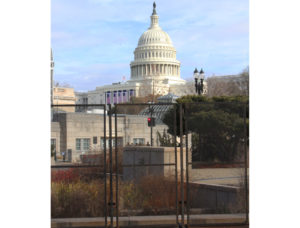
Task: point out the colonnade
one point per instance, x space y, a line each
155 69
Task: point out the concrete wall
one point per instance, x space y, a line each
214 198
150 155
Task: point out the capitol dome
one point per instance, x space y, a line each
155 36
155 56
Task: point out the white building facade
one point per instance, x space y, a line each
154 70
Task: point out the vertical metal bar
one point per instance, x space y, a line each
175 149
151 133
181 165
110 169
246 165
104 166
117 167
187 169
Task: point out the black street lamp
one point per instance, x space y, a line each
199 76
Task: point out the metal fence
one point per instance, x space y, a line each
162 164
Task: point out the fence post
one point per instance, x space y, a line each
117 167
187 168
181 164
246 165
110 168
104 165
175 149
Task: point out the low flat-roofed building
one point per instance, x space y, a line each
83 133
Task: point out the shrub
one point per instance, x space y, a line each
64 176
152 195
77 199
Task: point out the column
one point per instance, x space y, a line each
140 70
145 69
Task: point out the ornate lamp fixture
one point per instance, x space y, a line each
199 76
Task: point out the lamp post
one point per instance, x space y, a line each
199 77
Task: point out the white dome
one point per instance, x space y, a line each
155 36
155 56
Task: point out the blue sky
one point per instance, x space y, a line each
93 40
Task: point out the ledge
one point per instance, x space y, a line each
148 220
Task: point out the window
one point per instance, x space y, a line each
53 145
82 144
53 142
139 141
78 144
95 140
86 144
113 142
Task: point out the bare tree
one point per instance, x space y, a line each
229 85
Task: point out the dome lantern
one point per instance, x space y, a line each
154 18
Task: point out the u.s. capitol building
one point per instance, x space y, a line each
154 70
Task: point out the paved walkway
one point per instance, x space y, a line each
136 221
